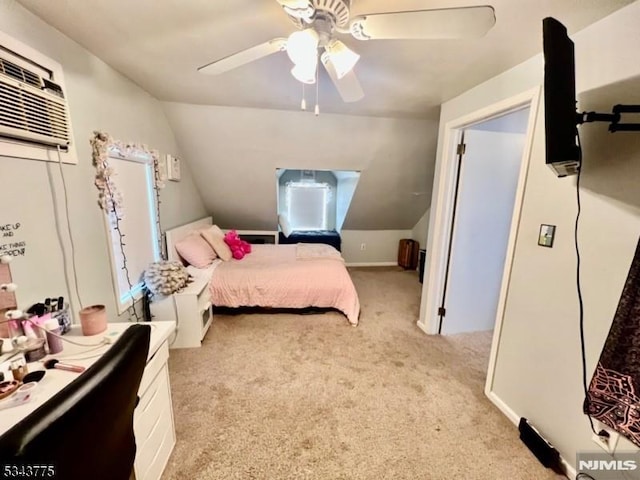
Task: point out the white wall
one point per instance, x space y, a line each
420 229
234 153
99 98
381 246
347 183
538 372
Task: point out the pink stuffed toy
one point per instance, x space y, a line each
239 248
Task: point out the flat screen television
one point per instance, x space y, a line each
562 150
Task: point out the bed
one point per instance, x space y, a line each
329 237
294 276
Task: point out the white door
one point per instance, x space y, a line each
489 174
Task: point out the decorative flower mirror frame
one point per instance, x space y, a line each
129 180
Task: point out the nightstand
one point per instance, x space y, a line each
190 309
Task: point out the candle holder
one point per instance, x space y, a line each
93 319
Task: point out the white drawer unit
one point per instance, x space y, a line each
153 424
154 428
190 309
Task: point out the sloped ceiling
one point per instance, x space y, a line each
235 152
248 122
160 43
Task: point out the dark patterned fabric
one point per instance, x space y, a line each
613 393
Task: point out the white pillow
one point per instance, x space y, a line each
284 225
214 237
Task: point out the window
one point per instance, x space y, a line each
133 175
314 199
307 205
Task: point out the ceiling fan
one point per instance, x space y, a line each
320 21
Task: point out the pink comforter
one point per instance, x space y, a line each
286 276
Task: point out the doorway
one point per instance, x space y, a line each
442 209
488 164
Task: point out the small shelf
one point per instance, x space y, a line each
259 236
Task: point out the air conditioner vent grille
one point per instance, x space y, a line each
21 74
27 112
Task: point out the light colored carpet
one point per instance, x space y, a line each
287 396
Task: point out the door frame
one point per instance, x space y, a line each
440 224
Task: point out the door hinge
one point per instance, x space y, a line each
462 147
442 311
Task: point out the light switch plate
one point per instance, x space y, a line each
546 235
173 168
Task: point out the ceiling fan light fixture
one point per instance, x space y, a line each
303 45
342 57
305 73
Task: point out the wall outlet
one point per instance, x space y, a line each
608 444
363 246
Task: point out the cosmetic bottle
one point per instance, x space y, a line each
53 328
29 330
18 370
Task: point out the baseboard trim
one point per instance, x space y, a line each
503 407
570 472
372 264
423 327
515 418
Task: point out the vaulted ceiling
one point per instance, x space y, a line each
159 44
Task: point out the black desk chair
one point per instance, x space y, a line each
85 431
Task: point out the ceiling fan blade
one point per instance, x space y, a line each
445 23
302 9
348 86
243 57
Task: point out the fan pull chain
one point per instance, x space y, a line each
317 109
303 104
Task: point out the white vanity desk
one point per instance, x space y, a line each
153 420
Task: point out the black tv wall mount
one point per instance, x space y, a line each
614 118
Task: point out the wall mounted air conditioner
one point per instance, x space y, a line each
34 114
33 108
